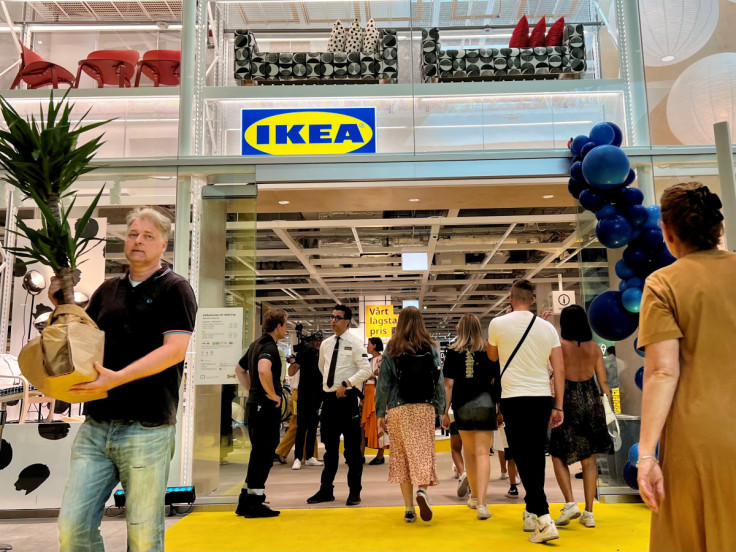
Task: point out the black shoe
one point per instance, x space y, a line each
410 517
579 475
252 506
363 459
321 496
377 461
353 500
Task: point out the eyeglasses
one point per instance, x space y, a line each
336 318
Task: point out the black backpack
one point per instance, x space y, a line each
418 376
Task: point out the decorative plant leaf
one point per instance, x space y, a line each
42 158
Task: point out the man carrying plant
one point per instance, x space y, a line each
147 315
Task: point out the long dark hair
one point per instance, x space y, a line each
574 324
410 335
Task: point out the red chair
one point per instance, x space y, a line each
114 67
161 66
36 72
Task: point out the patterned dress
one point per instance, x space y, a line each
584 431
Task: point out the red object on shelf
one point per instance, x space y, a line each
536 39
161 66
37 72
554 35
113 67
520 36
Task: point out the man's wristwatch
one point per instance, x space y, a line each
345 384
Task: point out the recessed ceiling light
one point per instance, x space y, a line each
284 202
548 196
668 58
414 199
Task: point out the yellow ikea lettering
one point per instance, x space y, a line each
308 133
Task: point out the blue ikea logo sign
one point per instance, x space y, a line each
319 131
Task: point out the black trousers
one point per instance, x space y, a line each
527 419
307 407
341 417
264 424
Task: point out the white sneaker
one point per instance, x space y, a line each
472 503
313 462
530 521
483 511
569 512
455 475
463 485
504 475
587 519
545 531
297 465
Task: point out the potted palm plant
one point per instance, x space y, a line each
43 159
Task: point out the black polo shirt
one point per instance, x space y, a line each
135 321
262 348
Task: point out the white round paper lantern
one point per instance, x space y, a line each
704 94
674 30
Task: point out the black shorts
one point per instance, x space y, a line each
478 414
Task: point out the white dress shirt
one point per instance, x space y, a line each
353 363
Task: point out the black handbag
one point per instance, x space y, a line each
496 388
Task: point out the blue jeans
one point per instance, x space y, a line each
103 454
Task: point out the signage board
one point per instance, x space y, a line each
318 131
219 344
380 321
561 299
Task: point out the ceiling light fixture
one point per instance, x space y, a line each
548 196
414 200
284 202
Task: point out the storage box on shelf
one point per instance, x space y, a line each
544 62
255 67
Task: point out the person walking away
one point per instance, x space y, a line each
688 329
344 364
147 315
468 373
525 343
584 433
262 362
409 395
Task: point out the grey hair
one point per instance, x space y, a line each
151 215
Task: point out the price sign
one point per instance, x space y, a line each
562 299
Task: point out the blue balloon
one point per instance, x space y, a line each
639 378
613 232
631 299
635 233
635 257
654 216
575 187
633 196
577 143
634 454
587 148
653 237
636 348
622 285
618 135
637 215
635 283
606 167
576 171
606 211
602 134
630 177
623 270
609 319
591 200
630 474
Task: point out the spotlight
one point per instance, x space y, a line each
42 321
34 282
80 299
174 495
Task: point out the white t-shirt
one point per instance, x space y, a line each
527 375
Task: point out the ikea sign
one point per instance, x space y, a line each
319 131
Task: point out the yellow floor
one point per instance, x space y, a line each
620 527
